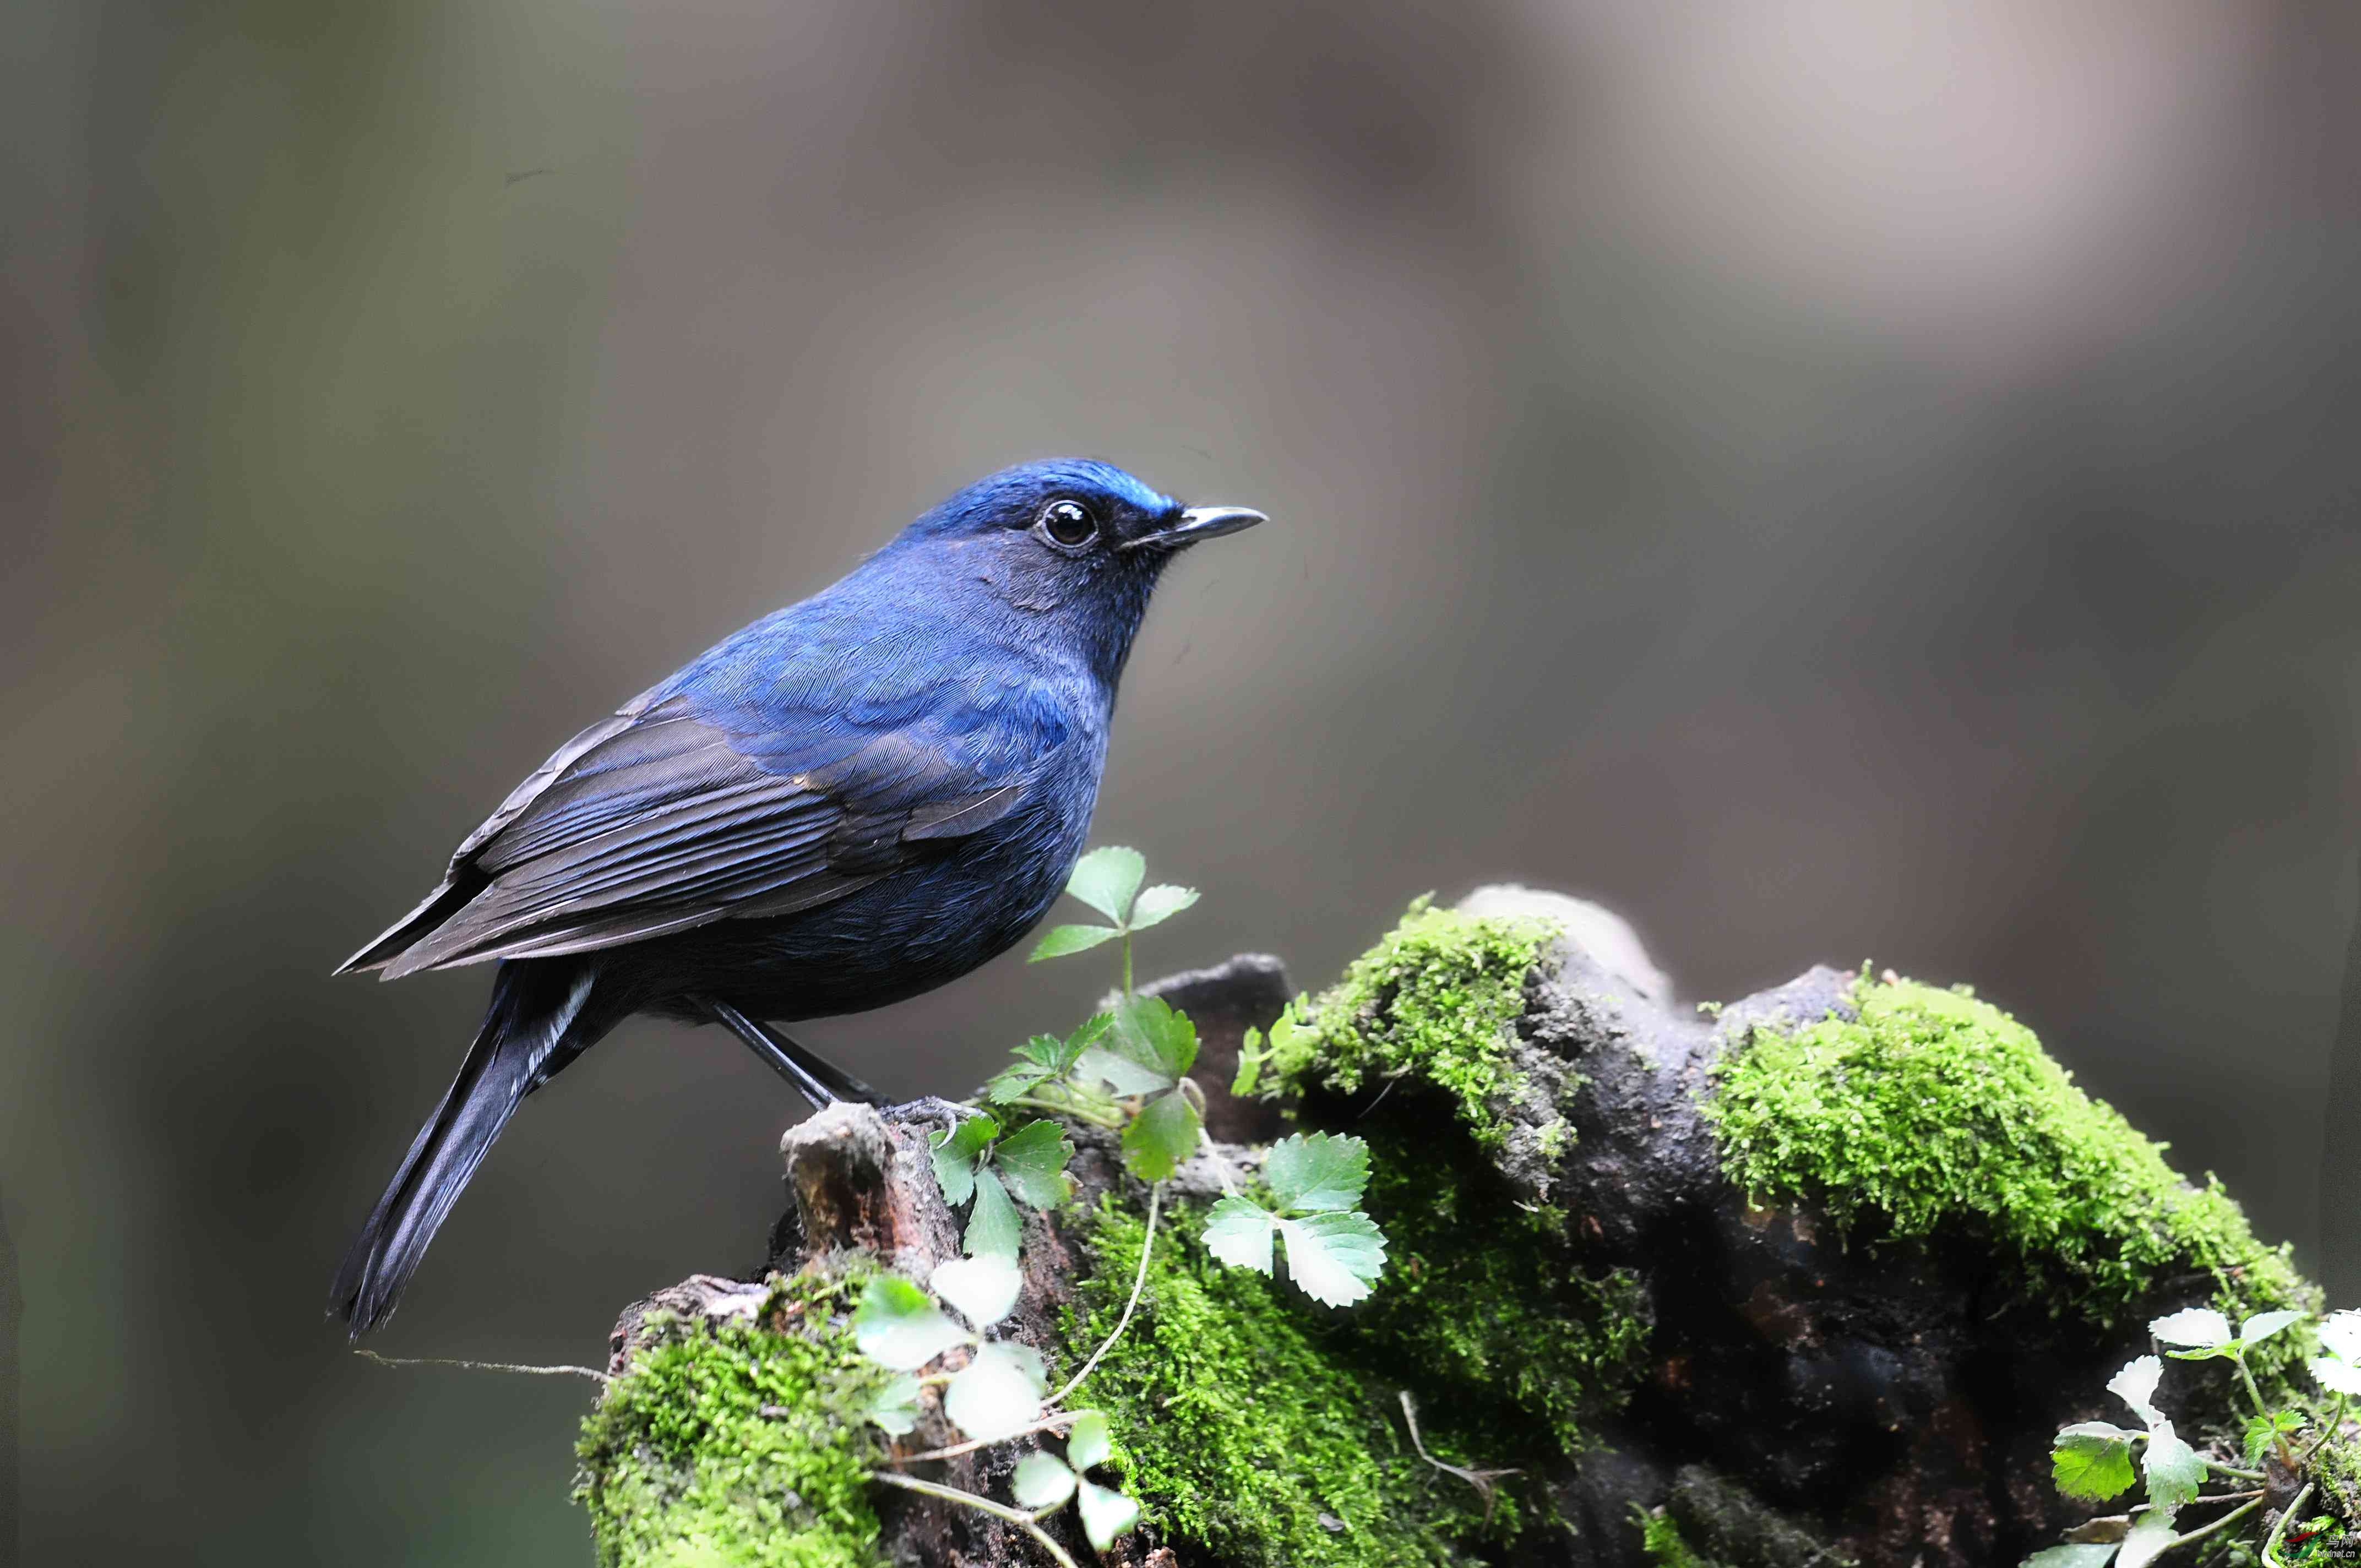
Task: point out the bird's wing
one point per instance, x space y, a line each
659 818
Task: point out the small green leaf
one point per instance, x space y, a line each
2136 1386
1090 1442
2263 1326
1042 1481
1121 1074
1239 1231
896 1407
2091 1459
898 1326
1333 1258
994 1228
1106 879
1146 1031
1162 1135
2336 1377
1105 1514
997 1392
2150 1536
2077 1555
1161 904
1011 1084
1064 939
1251 1055
2197 1328
1320 1172
981 1289
1032 1163
956 1153
2174 1471
2262 1430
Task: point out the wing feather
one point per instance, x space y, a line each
657 820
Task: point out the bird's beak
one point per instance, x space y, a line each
1200 523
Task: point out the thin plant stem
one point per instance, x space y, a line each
2334 1425
1111 1121
2231 1471
2279 1438
1127 959
484 1365
2202 1532
2279 1530
1213 1153
1139 1283
1047 1423
1017 1516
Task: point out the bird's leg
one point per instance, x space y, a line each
817 1080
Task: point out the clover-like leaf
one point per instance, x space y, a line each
2200 1329
2340 1335
2263 1326
1011 1084
1148 1031
1239 1231
1062 940
2136 1386
896 1407
1161 904
2093 1460
981 1289
998 1393
2336 1377
2077 1554
1042 1481
1032 1164
899 1327
1090 1442
1318 1172
2263 1431
992 1226
2150 1536
1121 1074
1164 1133
1107 879
1105 1514
2174 1471
1333 1258
957 1152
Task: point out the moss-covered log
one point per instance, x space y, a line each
1809 1278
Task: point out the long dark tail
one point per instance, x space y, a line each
541 1018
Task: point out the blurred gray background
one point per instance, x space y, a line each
1835 479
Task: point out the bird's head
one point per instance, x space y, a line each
1069 541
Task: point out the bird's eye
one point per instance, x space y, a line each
1069 522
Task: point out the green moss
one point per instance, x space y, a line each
1662 1540
1438 998
2337 1471
1241 1427
682 1468
1933 1107
1482 1304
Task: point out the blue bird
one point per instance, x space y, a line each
851 801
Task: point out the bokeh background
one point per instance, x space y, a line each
1832 478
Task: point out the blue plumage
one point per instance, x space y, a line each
849 802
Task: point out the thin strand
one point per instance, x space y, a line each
1146 1245
1047 1423
1017 1516
484 1365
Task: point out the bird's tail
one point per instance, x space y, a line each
536 1025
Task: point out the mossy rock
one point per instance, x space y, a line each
738 1444
1931 1109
